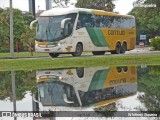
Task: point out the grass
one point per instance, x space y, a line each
28 54
67 62
22 54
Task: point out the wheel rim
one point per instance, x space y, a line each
119 69
124 46
80 72
78 51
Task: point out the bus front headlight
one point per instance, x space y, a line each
58 44
60 78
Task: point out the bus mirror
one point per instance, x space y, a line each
64 21
66 100
31 24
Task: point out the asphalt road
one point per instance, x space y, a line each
136 51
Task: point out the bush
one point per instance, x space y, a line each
4 50
155 42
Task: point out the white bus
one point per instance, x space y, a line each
74 30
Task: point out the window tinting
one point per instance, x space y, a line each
91 20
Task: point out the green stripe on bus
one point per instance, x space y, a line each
98 80
97 37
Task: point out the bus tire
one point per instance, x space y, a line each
124 47
118 48
53 55
79 50
119 69
80 72
113 52
98 52
125 68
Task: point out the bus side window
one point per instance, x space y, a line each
72 16
79 23
89 20
97 22
85 20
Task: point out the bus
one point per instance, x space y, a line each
83 88
75 30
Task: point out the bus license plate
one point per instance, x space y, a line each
46 49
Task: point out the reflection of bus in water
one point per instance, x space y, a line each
83 88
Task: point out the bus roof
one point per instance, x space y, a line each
64 11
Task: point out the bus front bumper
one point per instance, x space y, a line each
53 49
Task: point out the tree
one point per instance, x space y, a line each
147 19
149 84
155 43
28 39
61 3
4 31
106 5
28 17
21 25
25 81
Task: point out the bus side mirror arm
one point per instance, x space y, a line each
64 21
31 24
66 100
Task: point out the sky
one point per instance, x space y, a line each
122 6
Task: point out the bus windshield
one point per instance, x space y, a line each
48 91
49 28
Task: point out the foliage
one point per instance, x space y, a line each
4 30
5 85
28 17
150 101
24 81
61 3
149 83
21 25
155 42
28 39
106 5
147 19
155 70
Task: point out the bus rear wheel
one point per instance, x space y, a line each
98 52
118 49
124 47
79 50
53 55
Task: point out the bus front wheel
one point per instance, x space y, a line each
98 52
80 72
53 55
79 50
